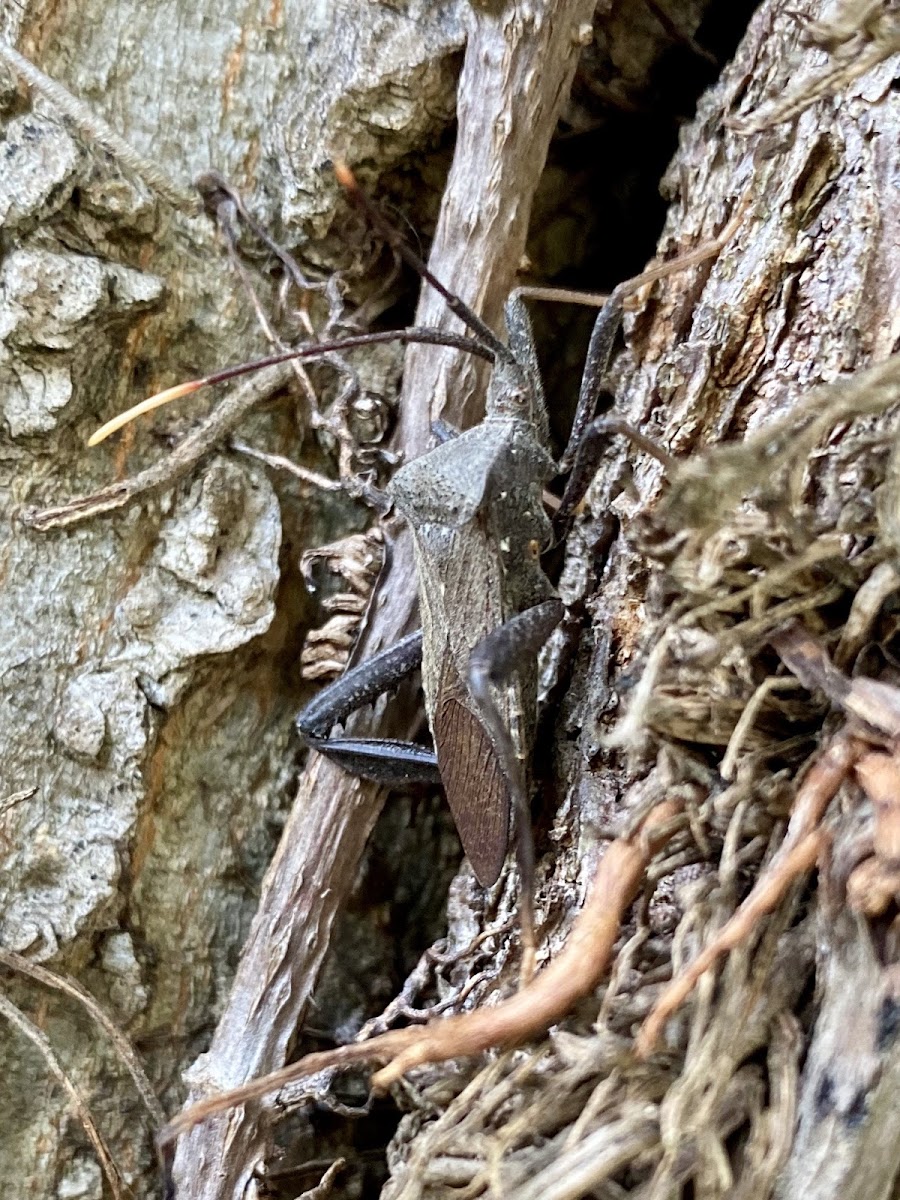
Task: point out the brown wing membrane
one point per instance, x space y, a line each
476 787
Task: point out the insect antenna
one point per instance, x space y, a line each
398 243
486 345
415 333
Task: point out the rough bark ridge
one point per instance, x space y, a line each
146 703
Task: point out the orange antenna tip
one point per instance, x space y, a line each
344 175
145 406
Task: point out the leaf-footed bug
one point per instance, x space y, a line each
475 508
474 504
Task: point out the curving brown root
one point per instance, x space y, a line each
802 846
530 1012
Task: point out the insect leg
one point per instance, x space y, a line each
596 365
443 431
383 759
494 661
603 337
587 459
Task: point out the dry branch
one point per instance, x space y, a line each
508 110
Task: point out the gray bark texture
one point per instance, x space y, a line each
185 897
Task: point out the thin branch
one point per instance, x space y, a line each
124 1048
200 442
29 1030
88 122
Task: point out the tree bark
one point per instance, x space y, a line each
148 655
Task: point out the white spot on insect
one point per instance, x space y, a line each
504 545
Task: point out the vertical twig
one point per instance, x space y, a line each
519 64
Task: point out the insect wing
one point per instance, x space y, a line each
476 788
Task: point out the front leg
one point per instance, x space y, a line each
383 760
